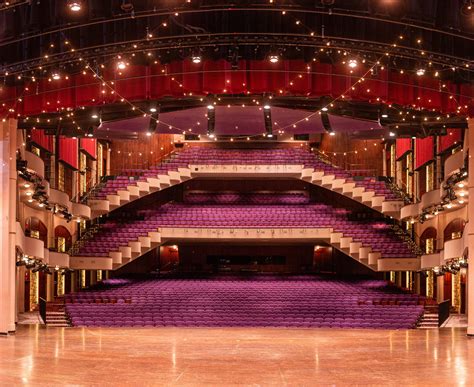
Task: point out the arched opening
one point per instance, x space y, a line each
452 282
35 281
454 229
35 228
428 240
62 239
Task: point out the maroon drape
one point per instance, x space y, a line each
69 151
403 145
450 140
424 151
42 140
89 145
287 77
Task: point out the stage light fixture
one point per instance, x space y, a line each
273 58
196 59
420 72
324 109
74 5
121 65
352 63
266 107
56 75
392 134
210 107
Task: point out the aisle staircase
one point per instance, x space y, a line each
430 318
56 314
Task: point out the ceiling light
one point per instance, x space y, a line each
420 72
266 107
95 116
384 115
56 76
462 194
148 134
30 200
273 58
196 59
27 185
352 63
29 193
41 205
74 5
460 185
392 134
461 201
121 65
210 107
449 206
211 135
324 109
332 133
270 135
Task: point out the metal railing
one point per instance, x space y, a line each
42 309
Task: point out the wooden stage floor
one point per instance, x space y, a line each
231 356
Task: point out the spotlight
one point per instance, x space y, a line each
74 5
420 72
384 115
392 134
121 65
196 59
210 107
273 58
324 109
267 117
352 63
153 109
94 116
56 76
332 133
149 134
211 135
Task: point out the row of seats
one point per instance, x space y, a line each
279 211
309 301
218 156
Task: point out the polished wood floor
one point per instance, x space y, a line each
81 356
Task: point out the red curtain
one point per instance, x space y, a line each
42 140
450 140
424 151
403 145
69 151
89 145
289 77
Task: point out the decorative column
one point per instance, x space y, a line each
7 225
440 288
470 230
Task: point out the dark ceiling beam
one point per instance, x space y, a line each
180 43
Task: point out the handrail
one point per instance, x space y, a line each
42 308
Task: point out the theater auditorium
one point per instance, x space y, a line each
205 192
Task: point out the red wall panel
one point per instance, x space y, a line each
69 151
451 139
403 145
424 151
89 145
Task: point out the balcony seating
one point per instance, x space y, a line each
258 301
216 156
235 211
